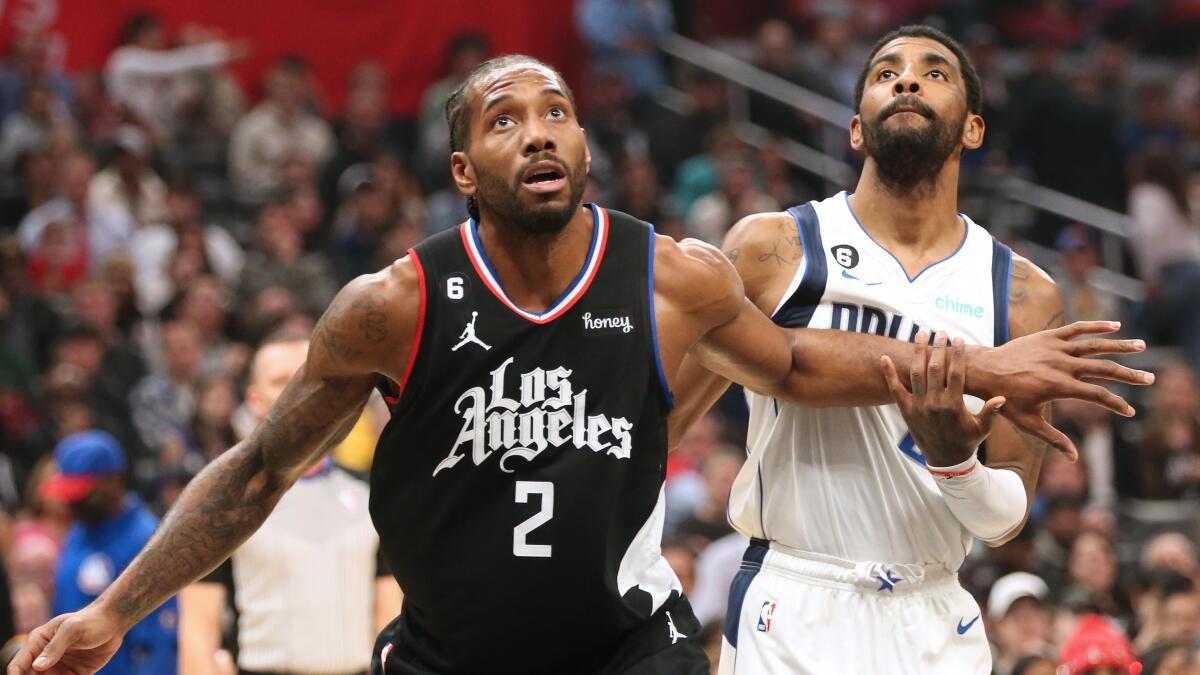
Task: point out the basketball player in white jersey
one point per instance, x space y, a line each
860 517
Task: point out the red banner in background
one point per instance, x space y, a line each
407 37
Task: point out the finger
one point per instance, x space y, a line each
1094 346
899 394
66 634
1074 330
936 381
916 369
1103 396
1037 426
1111 370
956 368
988 415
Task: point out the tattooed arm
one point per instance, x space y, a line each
366 332
1035 304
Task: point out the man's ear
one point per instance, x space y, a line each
463 173
856 133
973 130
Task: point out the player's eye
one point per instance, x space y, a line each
885 74
502 121
557 112
937 74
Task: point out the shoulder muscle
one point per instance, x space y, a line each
1035 303
697 279
766 250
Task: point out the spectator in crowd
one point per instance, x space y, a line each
639 195
708 522
777 55
208 101
279 260
682 559
1097 646
463 52
622 36
362 136
1092 569
1153 123
129 182
35 185
80 232
1019 622
95 113
1169 457
685 488
677 136
835 53
29 60
739 195
290 619
370 218
181 234
206 304
1173 551
278 128
1034 665
30 128
1080 259
142 72
110 526
165 400
1166 244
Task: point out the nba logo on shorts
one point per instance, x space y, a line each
764 616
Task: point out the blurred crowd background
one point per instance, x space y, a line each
162 213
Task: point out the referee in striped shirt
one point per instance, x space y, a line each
309 590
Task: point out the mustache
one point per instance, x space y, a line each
545 156
909 102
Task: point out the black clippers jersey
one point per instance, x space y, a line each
518 489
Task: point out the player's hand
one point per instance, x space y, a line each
70 644
936 415
1035 369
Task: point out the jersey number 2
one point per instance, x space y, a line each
525 488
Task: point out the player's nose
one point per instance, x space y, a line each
906 85
538 137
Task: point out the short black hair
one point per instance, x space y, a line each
137 24
970 75
457 110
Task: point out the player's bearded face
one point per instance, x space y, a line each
544 215
908 153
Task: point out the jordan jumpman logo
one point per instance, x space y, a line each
468 335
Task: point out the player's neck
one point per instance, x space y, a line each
917 222
535 269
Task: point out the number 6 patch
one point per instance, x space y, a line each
456 287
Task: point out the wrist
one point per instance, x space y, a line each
955 470
106 606
978 379
949 459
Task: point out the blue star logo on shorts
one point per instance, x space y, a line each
888 582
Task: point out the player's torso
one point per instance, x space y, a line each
518 488
849 482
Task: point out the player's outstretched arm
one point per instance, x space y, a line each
368 328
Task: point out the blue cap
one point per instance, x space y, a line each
82 458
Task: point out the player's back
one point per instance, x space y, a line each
518 488
849 482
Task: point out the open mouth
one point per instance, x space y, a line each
545 177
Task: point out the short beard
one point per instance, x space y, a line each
502 198
907 159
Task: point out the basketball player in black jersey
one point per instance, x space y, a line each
528 357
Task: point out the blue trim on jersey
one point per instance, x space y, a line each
798 309
966 230
662 376
908 446
474 228
751 564
1001 278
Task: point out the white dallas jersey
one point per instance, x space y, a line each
849 482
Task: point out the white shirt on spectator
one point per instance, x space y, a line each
138 78
264 138
108 188
1162 234
109 227
154 247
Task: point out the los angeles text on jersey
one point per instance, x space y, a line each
546 413
868 319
